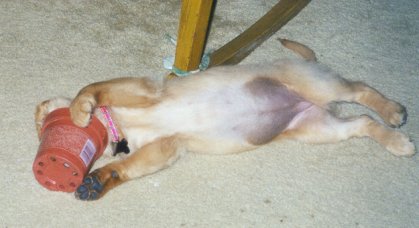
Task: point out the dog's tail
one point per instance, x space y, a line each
300 49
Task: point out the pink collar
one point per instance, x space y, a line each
112 127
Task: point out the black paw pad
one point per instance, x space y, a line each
90 189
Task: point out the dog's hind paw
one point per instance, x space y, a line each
395 114
401 145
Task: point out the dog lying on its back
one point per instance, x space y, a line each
227 109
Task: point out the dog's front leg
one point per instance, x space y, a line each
149 159
121 92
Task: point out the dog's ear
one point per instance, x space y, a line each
45 107
40 114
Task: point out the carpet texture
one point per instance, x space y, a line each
55 47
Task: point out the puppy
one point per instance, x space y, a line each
227 109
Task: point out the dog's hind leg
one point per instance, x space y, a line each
334 88
393 113
150 158
317 125
321 86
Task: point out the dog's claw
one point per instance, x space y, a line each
404 119
396 115
90 189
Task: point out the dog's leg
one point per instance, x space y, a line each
319 126
321 86
149 159
122 92
393 113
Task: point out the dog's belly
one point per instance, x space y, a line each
273 109
234 117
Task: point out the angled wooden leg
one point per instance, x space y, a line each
193 27
240 47
192 33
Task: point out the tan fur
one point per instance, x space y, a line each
151 158
300 49
159 120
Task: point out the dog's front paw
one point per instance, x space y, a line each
81 109
90 189
400 145
97 184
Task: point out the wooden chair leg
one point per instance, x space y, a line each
195 15
241 46
192 33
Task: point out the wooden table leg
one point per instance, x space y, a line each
192 33
241 46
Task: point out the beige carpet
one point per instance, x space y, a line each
54 47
